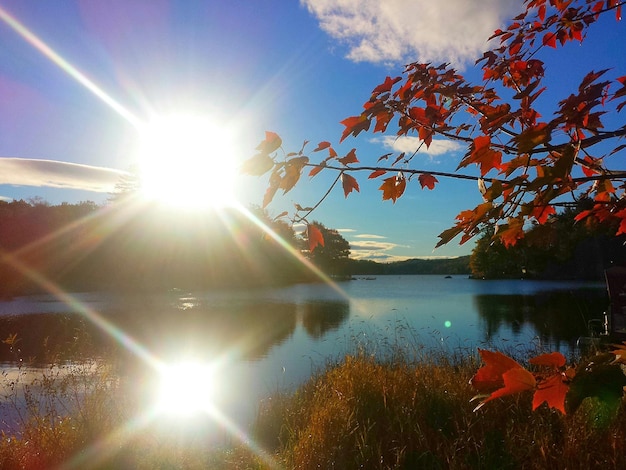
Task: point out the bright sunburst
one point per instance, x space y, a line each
185 389
187 161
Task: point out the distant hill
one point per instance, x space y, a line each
458 265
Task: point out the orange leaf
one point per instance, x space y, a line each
349 158
620 353
322 146
376 174
549 39
386 86
270 192
315 237
553 359
582 215
316 169
293 170
393 187
551 391
490 375
349 184
622 224
516 380
512 232
542 213
354 125
533 136
271 143
257 165
483 155
427 180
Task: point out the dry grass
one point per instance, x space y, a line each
410 410
360 413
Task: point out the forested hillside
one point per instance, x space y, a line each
136 247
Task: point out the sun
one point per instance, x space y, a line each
186 389
187 161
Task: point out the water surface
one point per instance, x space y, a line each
269 339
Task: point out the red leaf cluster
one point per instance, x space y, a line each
502 376
528 164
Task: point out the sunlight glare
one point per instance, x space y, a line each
186 389
187 161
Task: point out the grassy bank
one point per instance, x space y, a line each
363 414
355 413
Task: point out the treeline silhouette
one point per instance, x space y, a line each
443 266
125 246
560 249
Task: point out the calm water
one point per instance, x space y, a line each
272 339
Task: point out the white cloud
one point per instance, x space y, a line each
55 174
409 144
373 249
369 235
397 31
371 245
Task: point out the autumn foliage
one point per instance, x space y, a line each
552 382
527 159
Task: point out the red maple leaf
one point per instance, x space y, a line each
503 373
552 391
542 213
271 143
549 39
349 158
354 125
393 187
533 136
376 174
386 86
553 359
427 180
316 169
349 184
622 224
510 233
489 376
321 146
315 236
483 155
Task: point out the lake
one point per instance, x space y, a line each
263 340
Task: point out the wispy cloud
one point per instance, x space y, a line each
55 174
369 235
397 31
410 144
373 248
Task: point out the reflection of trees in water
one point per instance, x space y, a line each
323 316
555 316
240 329
50 337
247 331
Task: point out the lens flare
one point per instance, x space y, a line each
186 388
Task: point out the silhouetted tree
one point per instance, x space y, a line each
333 256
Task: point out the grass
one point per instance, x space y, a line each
360 413
409 410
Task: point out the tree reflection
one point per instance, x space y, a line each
246 331
556 316
321 317
44 338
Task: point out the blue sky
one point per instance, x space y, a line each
73 81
